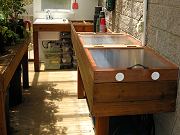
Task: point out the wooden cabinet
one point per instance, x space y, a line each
45 27
79 26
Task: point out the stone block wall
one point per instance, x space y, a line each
126 16
163 35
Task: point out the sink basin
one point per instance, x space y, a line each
108 40
51 21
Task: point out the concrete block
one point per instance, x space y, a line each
173 48
158 16
132 9
176 129
118 17
170 3
178 102
139 1
127 8
173 22
164 42
123 24
154 1
109 17
118 7
151 37
164 123
137 10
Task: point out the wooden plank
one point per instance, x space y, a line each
101 125
133 108
86 77
108 75
84 68
83 28
134 91
52 27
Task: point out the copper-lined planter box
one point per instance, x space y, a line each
120 77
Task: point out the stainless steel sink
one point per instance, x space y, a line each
124 58
108 40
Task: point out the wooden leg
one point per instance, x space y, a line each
80 88
101 125
25 70
36 51
3 130
15 89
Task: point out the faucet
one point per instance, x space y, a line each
48 15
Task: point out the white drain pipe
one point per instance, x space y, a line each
145 22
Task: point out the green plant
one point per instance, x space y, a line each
12 8
10 11
11 26
8 36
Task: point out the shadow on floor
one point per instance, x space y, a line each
36 115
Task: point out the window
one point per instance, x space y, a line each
55 4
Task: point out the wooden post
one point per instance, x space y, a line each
3 130
101 125
15 89
36 51
25 70
80 88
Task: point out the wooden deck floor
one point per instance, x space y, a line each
51 107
